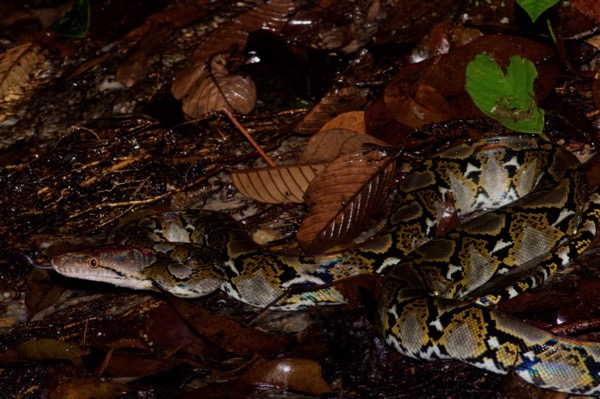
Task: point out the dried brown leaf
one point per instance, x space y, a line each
343 197
16 67
353 120
327 145
211 88
277 184
296 374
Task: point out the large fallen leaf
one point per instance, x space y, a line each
589 8
212 88
343 198
276 185
328 145
295 374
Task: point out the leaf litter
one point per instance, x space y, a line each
85 179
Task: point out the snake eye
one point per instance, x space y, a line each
93 263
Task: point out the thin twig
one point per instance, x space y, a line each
248 137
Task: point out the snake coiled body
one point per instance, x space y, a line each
438 289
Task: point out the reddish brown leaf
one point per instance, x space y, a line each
589 8
228 334
327 145
343 198
276 185
301 375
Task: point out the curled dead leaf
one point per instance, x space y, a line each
327 145
275 185
343 198
210 87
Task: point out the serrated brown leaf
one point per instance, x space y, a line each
211 88
16 66
328 145
343 198
276 185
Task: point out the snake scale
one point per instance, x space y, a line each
525 213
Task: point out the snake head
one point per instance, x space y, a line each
115 264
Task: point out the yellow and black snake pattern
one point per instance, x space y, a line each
525 213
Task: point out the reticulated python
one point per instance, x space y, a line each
438 290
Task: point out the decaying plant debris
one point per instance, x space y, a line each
103 139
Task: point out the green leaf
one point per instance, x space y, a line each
535 8
76 22
508 98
